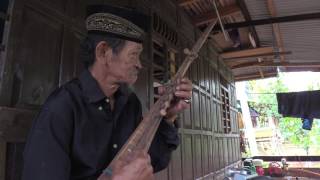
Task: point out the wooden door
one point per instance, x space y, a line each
41 42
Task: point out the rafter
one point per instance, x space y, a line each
255 41
276 28
277 64
255 76
272 20
296 69
247 17
254 45
247 53
267 55
211 15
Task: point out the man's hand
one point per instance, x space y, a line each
138 169
182 101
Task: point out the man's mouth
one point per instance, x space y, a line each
135 73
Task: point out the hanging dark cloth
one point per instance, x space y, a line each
299 104
307 123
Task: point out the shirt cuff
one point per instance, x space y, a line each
169 132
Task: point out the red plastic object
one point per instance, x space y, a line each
275 169
259 170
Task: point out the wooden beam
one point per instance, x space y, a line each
277 64
276 29
245 65
252 41
287 64
255 76
273 20
186 2
3 159
247 17
306 173
264 56
271 8
247 52
211 15
254 45
261 72
299 69
288 158
255 41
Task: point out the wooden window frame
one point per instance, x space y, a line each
225 106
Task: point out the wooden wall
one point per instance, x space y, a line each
206 146
41 41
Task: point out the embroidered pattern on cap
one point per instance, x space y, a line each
114 24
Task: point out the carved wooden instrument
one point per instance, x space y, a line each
143 135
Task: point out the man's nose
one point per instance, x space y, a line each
138 64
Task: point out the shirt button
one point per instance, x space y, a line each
115 146
100 108
107 100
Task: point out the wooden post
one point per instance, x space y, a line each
3 152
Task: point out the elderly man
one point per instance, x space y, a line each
84 123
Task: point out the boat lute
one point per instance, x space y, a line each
142 137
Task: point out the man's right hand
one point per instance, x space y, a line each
138 169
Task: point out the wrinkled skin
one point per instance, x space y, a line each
139 168
183 91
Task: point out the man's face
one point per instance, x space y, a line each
126 64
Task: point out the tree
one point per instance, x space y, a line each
291 129
262 93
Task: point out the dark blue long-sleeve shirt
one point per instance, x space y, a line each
76 135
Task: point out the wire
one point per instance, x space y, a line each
264 93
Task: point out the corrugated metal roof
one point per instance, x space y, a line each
265 35
200 7
292 7
302 38
257 9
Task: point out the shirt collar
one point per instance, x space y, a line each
92 90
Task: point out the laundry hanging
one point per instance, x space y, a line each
305 104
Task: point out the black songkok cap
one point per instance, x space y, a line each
124 23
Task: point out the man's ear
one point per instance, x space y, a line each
103 52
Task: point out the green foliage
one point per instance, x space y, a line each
292 131
263 99
262 95
246 154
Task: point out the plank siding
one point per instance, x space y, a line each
32 68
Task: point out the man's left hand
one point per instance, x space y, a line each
183 94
